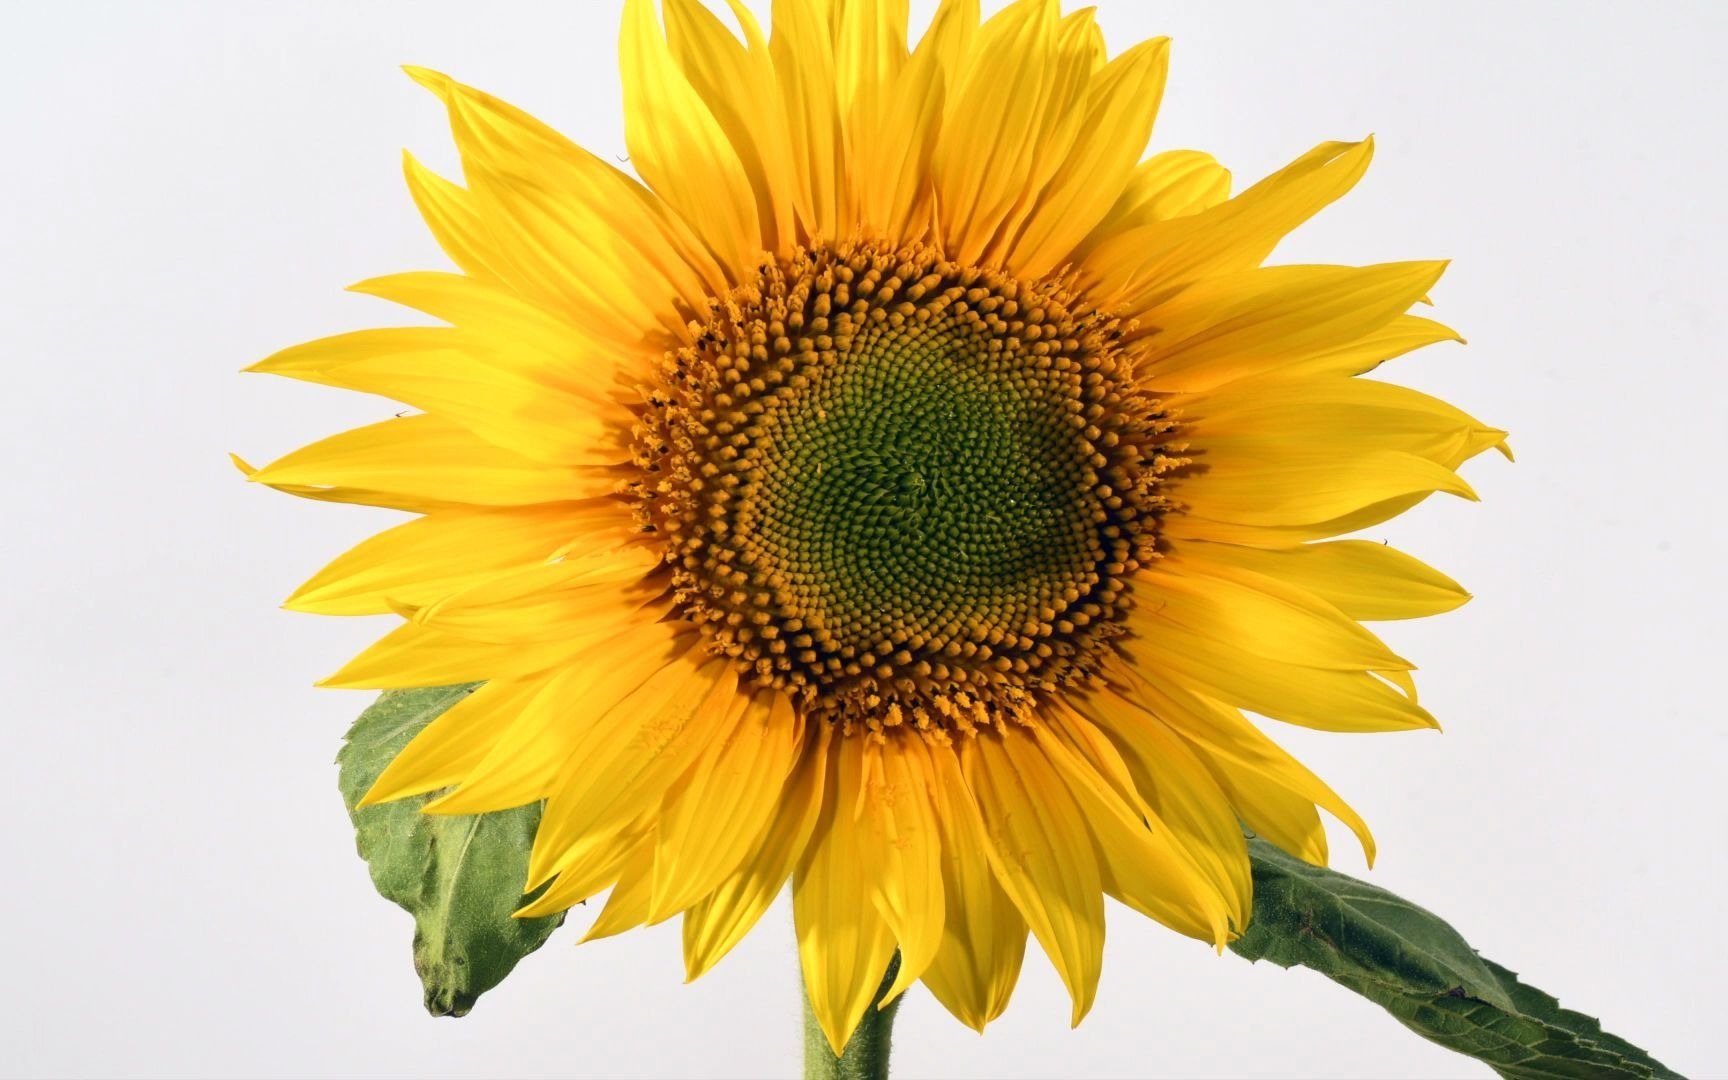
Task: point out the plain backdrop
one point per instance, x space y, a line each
186 187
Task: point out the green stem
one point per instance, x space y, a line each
866 1055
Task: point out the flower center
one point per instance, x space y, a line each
906 490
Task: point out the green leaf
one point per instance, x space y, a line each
1415 966
459 876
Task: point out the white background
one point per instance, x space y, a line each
186 187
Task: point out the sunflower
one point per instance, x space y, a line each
902 486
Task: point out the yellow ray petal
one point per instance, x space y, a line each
454 220
890 137
545 345
427 457
1328 700
1362 579
717 923
627 907
983 936
1042 853
444 372
903 849
738 85
1404 334
574 232
802 48
843 943
1183 800
1191 527
422 560
413 656
1245 761
880 121
528 759
869 47
717 814
588 866
310 360
621 764
444 750
1139 267
1253 322
680 150
1273 813
984 161
573 599
1312 487
1277 415
1059 120
1146 863
1258 615
1121 104
361 496
1164 186
949 36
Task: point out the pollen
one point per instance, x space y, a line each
905 490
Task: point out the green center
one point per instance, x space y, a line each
921 488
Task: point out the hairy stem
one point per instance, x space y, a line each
866 1055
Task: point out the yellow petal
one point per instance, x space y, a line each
362 496
1258 615
1404 334
1253 322
573 599
713 926
716 815
422 458
574 233
310 360
680 150
1279 416
444 750
983 936
443 371
627 907
869 48
622 763
1309 488
529 758
1169 185
454 221
413 656
431 557
803 53
543 344
1059 122
591 864
891 135
1246 763
1362 579
903 849
1042 853
843 943
995 108
738 85
1145 863
1328 700
1140 267
1121 104
1182 801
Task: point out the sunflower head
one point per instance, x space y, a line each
902 484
